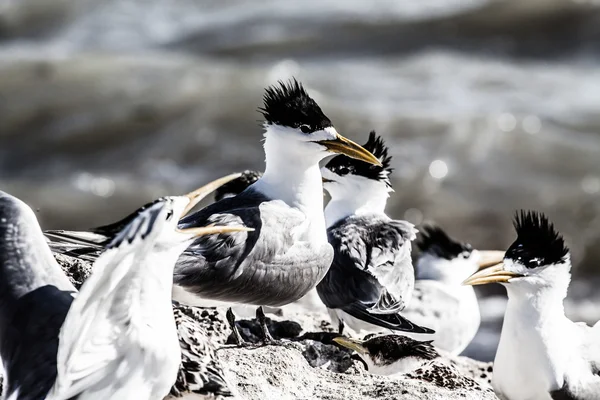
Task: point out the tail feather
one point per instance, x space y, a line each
82 245
394 322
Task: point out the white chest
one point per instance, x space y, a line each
529 365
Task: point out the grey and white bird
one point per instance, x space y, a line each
288 253
440 300
391 354
35 296
119 339
371 279
542 354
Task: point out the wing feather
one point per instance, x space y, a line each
92 337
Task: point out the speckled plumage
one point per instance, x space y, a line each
201 371
372 271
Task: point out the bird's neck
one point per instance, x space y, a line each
543 305
368 199
292 175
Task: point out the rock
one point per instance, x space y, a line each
307 366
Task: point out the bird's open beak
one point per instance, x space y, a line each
212 229
346 146
352 344
493 274
205 190
489 258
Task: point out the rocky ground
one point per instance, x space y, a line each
307 365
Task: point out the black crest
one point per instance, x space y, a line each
237 186
288 104
344 165
435 241
538 242
126 230
390 348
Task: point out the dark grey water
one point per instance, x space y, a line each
488 106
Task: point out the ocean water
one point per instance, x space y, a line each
488 106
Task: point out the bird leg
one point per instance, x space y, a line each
236 333
340 326
262 321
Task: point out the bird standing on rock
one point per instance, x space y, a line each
542 354
288 253
371 279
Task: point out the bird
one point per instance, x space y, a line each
35 297
288 253
119 339
542 354
390 354
371 279
439 299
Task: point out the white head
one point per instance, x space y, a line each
297 130
157 222
537 262
355 186
447 260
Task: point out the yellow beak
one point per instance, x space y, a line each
346 146
489 258
212 229
197 195
493 274
352 344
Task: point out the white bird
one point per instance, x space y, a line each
119 339
439 300
371 279
542 355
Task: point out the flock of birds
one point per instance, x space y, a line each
267 242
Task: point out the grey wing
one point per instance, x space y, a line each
391 264
252 267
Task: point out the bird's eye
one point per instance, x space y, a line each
305 128
343 170
169 215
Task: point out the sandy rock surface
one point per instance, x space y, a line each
307 365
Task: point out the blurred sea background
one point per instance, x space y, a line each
488 106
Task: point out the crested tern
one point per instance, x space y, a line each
391 354
542 354
288 253
371 279
119 339
439 300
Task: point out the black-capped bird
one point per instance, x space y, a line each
542 354
371 279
